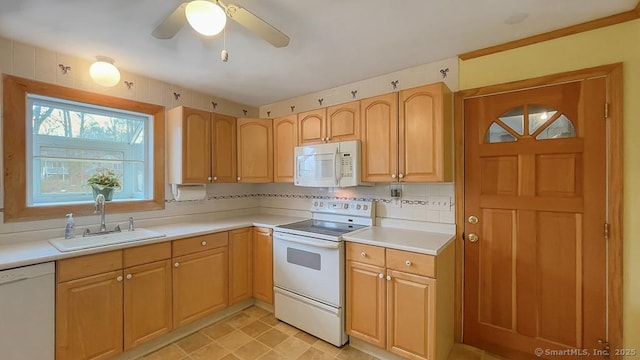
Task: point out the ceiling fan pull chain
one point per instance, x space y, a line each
224 55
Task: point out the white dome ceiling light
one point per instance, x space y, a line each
205 17
103 72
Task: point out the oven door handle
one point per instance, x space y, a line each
328 244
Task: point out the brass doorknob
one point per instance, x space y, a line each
473 219
473 237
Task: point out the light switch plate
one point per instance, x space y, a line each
439 203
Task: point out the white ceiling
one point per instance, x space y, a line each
333 42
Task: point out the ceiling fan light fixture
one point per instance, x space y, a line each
205 17
103 72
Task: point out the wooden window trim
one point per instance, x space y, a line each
14 150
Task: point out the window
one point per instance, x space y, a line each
69 141
55 138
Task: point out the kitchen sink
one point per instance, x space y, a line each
79 242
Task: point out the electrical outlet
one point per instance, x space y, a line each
439 203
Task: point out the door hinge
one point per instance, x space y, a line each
606 231
606 111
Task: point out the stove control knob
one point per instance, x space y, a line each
346 206
365 207
315 204
358 207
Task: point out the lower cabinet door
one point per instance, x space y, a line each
147 302
200 285
263 265
366 303
240 264
411 316
89 317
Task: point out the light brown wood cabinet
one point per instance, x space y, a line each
285 139
147 302
407 136
103 309
335 123
392 300
200 277
263 264
202 146
255 150
240 265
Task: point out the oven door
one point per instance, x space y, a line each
310 267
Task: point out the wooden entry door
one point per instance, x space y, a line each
535 211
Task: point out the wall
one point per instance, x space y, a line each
618 43
415 209
445 70
40 64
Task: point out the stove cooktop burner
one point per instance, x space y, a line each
323 227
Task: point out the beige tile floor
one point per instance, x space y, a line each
255 334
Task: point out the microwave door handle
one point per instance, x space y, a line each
338 168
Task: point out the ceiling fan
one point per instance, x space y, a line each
209 18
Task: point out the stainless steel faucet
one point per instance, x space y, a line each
100 206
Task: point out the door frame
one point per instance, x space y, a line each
613 73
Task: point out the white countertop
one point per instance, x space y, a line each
423 242
34 252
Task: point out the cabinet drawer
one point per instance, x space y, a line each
88 265
200 243
410 262
146 254
367 254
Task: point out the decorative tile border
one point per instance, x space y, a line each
313 197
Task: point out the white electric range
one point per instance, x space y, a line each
308 267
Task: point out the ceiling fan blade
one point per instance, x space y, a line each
172 24
258 26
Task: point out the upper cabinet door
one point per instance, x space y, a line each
189 146
425 134
255 150
343 122
379 126
285 135
223 149
311 127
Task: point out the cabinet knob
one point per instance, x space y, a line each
176 264
215 178
381 275
209 178
363 254
393 176
388 277
119 278
238 178
129 276
401 175
328 138
473 237
408 262
204 243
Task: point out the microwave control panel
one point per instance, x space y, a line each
346 162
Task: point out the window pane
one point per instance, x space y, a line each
71 141
560 128
497 134
514 119
538 115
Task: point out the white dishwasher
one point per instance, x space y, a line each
27 308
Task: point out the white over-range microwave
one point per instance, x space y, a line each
328 165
